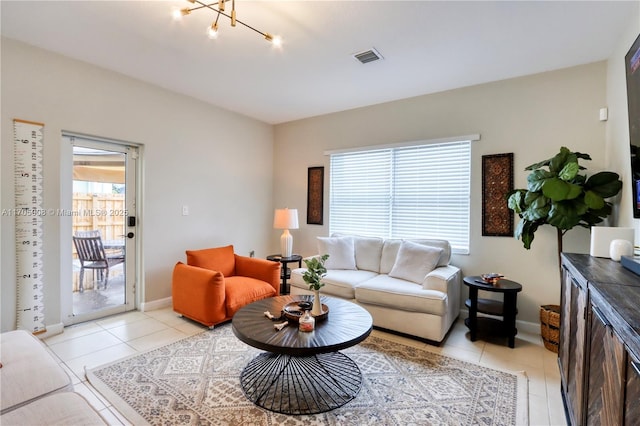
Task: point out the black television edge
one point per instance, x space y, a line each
632 65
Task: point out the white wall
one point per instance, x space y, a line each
617 136
531 116
217 162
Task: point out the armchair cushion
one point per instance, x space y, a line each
241 291
216 259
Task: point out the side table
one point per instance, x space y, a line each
507 309
285 274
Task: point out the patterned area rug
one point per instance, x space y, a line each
195 381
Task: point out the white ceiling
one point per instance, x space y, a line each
428 46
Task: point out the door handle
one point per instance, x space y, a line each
130 235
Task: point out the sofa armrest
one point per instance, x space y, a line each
198 293
260 269
443 278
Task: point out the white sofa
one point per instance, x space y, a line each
408 286
34 389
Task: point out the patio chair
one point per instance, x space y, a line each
91 255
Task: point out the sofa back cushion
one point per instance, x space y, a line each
368 253
389 253
414 261
216 259
443 244
341 252
391 247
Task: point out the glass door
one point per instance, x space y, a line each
103 228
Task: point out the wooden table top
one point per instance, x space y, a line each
346 325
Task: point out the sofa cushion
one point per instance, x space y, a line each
28 370
402 295
414 261
368 253
63 408
341 252
240 291
337 282
216 259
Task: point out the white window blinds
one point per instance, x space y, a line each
419 191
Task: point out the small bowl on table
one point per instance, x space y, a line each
492 278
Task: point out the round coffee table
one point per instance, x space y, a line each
301 373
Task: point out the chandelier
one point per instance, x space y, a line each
219 9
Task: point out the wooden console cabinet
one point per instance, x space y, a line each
599 352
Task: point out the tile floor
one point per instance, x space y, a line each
97 342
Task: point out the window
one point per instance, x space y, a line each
416 191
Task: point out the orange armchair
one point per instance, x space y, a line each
216 282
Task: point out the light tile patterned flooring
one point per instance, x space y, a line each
97 342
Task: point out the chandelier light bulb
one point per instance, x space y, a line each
276 40
177 14
212 31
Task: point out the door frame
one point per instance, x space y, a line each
134 152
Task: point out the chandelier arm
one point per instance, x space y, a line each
219 12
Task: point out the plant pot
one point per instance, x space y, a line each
317 304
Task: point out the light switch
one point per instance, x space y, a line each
604 114
185 210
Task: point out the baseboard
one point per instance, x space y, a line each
51 330
167 302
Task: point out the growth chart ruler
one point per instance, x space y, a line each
29 213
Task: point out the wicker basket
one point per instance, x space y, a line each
550 326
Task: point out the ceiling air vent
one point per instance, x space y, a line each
368 56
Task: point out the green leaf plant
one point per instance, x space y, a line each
315 271
558 195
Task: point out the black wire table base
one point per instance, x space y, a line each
301 385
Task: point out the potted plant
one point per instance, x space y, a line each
313 276
558 195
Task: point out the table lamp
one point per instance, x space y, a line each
286 219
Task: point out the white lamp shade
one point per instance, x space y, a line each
285 219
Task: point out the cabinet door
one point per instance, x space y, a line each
574 340
607 363
565 327
632 397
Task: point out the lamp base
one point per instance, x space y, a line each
286 244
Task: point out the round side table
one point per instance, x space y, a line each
285 274
507 309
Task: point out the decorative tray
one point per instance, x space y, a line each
295 310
